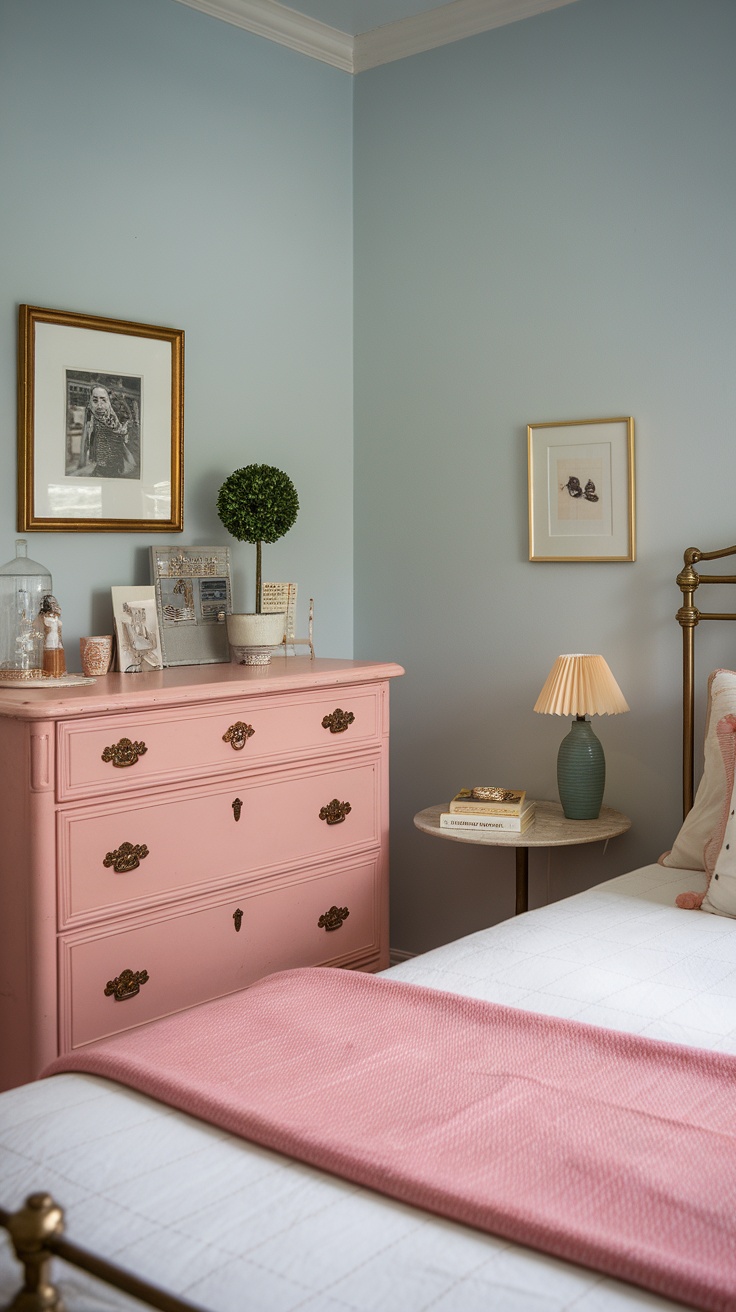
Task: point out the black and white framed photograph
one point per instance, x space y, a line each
581 490
103 425
100 423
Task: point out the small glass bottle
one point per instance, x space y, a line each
23 583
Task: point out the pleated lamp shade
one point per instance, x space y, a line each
581 685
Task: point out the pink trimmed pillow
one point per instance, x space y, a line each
703 821
720 850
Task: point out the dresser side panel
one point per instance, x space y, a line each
28 976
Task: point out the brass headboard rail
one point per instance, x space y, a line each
688 616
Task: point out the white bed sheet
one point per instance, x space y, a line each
235 1228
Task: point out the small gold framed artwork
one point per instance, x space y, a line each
581 490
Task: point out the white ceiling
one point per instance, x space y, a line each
358 34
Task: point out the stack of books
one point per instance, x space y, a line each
488 810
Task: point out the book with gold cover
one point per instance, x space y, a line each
488 801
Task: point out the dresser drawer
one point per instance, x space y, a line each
198 954
142 850
117 754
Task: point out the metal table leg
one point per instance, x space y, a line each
522 879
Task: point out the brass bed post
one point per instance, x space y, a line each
688 616
37 1234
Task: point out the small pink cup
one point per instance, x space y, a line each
96 654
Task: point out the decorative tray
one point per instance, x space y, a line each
43 681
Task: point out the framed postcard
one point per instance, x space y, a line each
281 596
581 490
137 637
100 424
192 590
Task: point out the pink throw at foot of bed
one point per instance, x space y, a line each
603 1148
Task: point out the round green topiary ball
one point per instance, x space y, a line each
258 503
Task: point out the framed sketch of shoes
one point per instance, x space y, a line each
581 490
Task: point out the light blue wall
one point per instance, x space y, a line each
160 166
544 231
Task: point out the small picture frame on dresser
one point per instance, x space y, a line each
193 595
137 637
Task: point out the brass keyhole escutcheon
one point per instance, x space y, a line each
237 806
238 735
338 721
237 920
125 858
126 985
124 753
333 918
335 811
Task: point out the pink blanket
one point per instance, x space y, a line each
603 1148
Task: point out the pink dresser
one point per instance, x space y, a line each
170 837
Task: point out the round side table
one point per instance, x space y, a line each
549 828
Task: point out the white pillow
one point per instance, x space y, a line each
720 895
704 820
720 850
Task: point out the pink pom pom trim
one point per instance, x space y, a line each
690 901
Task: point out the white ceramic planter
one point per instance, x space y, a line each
253 637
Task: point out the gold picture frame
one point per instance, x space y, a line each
100 424
581 490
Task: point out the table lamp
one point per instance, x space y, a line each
581 685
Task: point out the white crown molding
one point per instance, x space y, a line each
409 36
439 27
277 23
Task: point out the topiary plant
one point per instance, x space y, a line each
258 503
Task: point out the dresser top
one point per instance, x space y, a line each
187 684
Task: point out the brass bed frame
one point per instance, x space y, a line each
688 616
36 1229
37 1234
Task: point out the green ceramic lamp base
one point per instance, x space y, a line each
581 772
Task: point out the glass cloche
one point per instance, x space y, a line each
22 585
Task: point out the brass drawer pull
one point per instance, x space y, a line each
124 753
237 806
237 919
339 721
125 858
334 813
333 918
126 985
238 735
